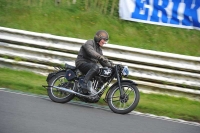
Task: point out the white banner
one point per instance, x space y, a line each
174 13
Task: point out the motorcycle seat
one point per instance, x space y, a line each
67 66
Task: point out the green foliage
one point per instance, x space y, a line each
5 57
17 59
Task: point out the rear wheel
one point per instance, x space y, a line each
57 95
126 104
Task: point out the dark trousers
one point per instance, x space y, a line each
90 69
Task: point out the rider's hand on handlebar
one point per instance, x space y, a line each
111 63
103 59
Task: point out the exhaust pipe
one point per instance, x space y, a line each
70 91
73 92
65 89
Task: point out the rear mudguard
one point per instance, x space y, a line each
53 74
116 83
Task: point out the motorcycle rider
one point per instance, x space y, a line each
89 55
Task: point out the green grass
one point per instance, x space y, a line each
173 107
82 20
22 81
170 106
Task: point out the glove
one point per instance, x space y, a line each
103 59
111 63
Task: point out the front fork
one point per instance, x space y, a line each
122 94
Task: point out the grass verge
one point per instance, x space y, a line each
161 105
83 19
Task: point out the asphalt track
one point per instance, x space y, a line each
28 113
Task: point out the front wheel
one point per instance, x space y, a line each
126 104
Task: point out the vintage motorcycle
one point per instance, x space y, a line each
122 97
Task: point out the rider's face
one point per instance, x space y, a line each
102 42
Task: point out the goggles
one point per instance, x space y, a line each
105 39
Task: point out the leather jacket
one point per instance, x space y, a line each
90 52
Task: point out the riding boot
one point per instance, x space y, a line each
90 74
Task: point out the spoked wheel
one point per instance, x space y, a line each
128 102
57 95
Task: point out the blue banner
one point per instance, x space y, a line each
175 13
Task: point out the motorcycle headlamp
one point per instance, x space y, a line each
125 71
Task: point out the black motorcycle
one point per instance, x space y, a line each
122 96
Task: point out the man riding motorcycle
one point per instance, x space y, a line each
89 55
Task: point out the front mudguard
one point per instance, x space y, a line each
130 81
116 83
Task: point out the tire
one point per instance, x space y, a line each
127 104
59 95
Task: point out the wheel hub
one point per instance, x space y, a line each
124 99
